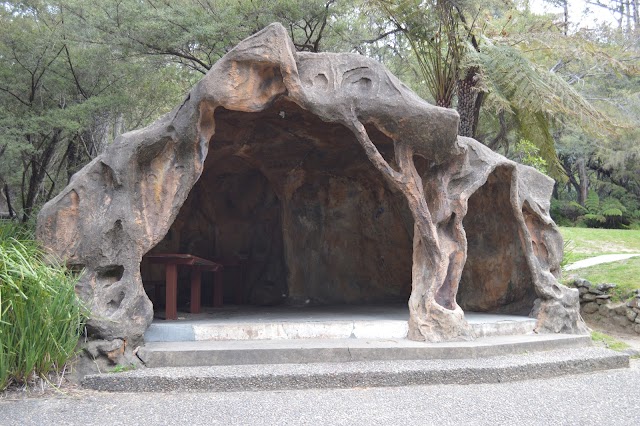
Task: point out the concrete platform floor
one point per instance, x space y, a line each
314 322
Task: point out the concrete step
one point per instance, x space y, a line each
325 325
243 352
361 373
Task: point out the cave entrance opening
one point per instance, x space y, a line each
294 209
496 277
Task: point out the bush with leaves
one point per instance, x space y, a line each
40 316
526 152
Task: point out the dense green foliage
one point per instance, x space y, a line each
75 74
40 316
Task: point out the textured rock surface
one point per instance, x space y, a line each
335 181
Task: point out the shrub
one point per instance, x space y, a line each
606 213
40 317
566 211
526 152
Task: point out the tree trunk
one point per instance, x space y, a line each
565 6
7 196
583 189
74 157
38 166
581 184
467 96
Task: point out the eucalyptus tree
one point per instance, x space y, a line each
196 33
62 98
75 74
38 106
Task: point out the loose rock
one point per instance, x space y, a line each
605 286
581 283
605 311
590 308
621 309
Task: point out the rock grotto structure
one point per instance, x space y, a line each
334 180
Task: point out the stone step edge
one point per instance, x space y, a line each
360 374
206 353
288 330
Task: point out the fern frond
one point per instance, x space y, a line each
509 75
535 128
595 217
592 203
613 212
611 203
578 206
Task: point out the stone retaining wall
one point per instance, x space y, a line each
596 305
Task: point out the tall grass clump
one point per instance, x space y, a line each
40 317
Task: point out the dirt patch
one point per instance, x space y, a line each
602 247
44 389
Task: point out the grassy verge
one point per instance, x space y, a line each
625 274
586 242
608 341
40 316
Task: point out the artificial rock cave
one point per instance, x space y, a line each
337 184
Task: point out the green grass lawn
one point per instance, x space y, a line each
625 274
581 243
584 243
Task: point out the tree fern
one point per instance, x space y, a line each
515 83
592 203
578 207
594 218
433 31
609 212
612 207
532 96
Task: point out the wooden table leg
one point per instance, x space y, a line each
171 302
196 285
218 289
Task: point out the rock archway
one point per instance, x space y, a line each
345 148
297 198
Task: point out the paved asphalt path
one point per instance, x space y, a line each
605 258
603 398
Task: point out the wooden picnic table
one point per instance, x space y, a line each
197 265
